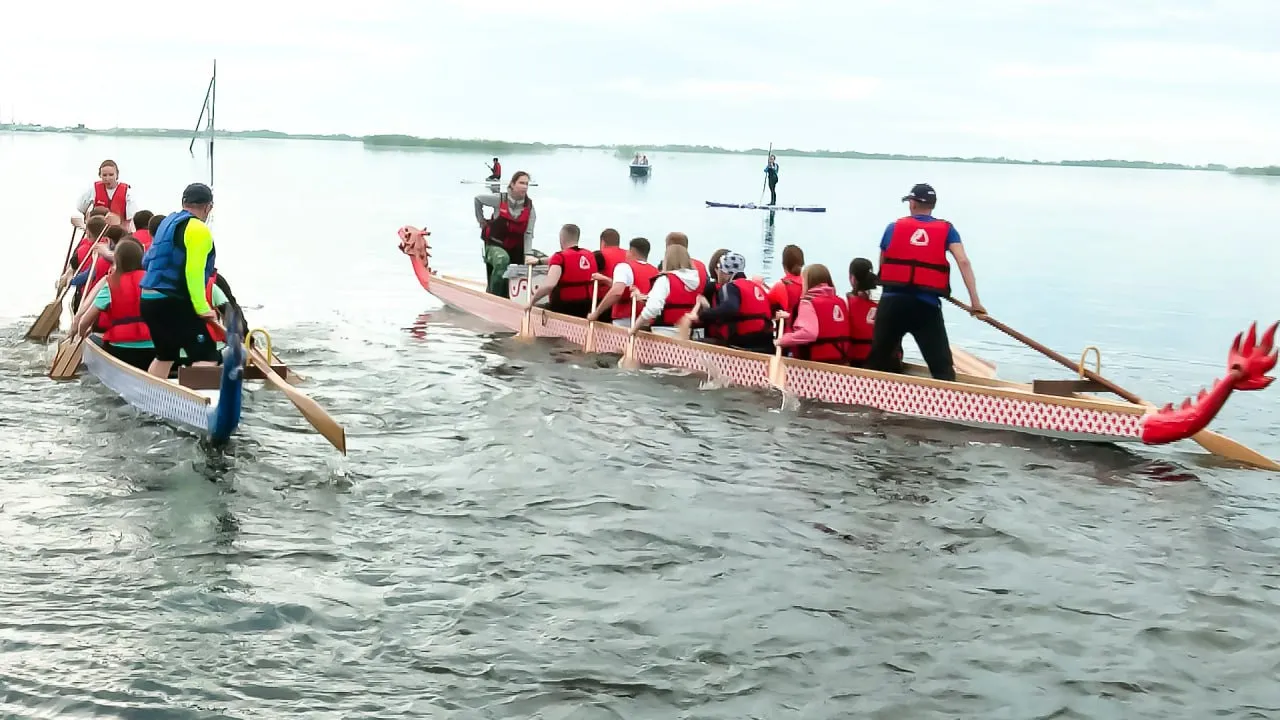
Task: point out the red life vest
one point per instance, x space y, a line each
916 258
576 268
680 301
832 344
862 325
754 311
608 258
143 237
497 169
507 232
702 274
123 316
214 331
795 289
116 204
644 273
100 266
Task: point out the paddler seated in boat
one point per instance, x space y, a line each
179 267
94 228
785 294
98 266
495 171
634 275
607 258
570 277
108 192
673 294
117 304
679 238
741 308
142 223
862 312
508 233
820 328
916 275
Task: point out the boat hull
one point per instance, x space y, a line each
211 414
641 170
974 402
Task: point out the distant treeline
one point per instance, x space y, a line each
500 147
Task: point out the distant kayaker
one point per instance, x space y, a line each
771 175
916 275
508 233
495 171
107 192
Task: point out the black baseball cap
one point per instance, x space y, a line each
922 193
197 194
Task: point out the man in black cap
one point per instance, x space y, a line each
916 274
179 269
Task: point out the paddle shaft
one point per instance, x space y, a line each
71 244
1051 354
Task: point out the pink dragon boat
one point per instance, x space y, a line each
1065 409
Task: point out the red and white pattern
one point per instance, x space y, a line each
1001 408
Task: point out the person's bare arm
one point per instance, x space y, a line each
966 272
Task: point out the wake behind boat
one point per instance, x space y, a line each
1052 408
771 208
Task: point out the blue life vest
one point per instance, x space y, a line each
165 262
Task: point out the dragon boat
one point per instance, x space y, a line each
1066 409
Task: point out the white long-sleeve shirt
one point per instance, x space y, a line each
661 288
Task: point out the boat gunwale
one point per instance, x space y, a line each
168 385
983 386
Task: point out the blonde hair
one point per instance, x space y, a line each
677 258
816 275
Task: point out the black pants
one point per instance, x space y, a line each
773 190
137 357
901 315
175 326
576 308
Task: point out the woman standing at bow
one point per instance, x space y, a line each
508 232
110 193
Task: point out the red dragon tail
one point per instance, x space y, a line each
1248 363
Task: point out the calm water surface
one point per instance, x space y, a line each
526 532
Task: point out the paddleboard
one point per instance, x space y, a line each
490 182
771 208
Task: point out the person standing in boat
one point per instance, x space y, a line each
916 275
107 192
570 277
179 267
495 171
771 175
508 233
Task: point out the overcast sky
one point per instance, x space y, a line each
1180 80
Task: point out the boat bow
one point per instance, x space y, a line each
1248 363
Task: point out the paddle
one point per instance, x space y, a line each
589 345
1207 439
970 364
66 361
765 184
310 409
629 360
777 371
526 322
48 319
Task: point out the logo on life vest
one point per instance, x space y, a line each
919 237
836 315
871 316
759 293
582 263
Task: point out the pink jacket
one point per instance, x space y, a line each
804 329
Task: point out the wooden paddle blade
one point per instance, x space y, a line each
310 409
526 327
1226 447
589 344
969 364
48 321
629 360
66 361
777 373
